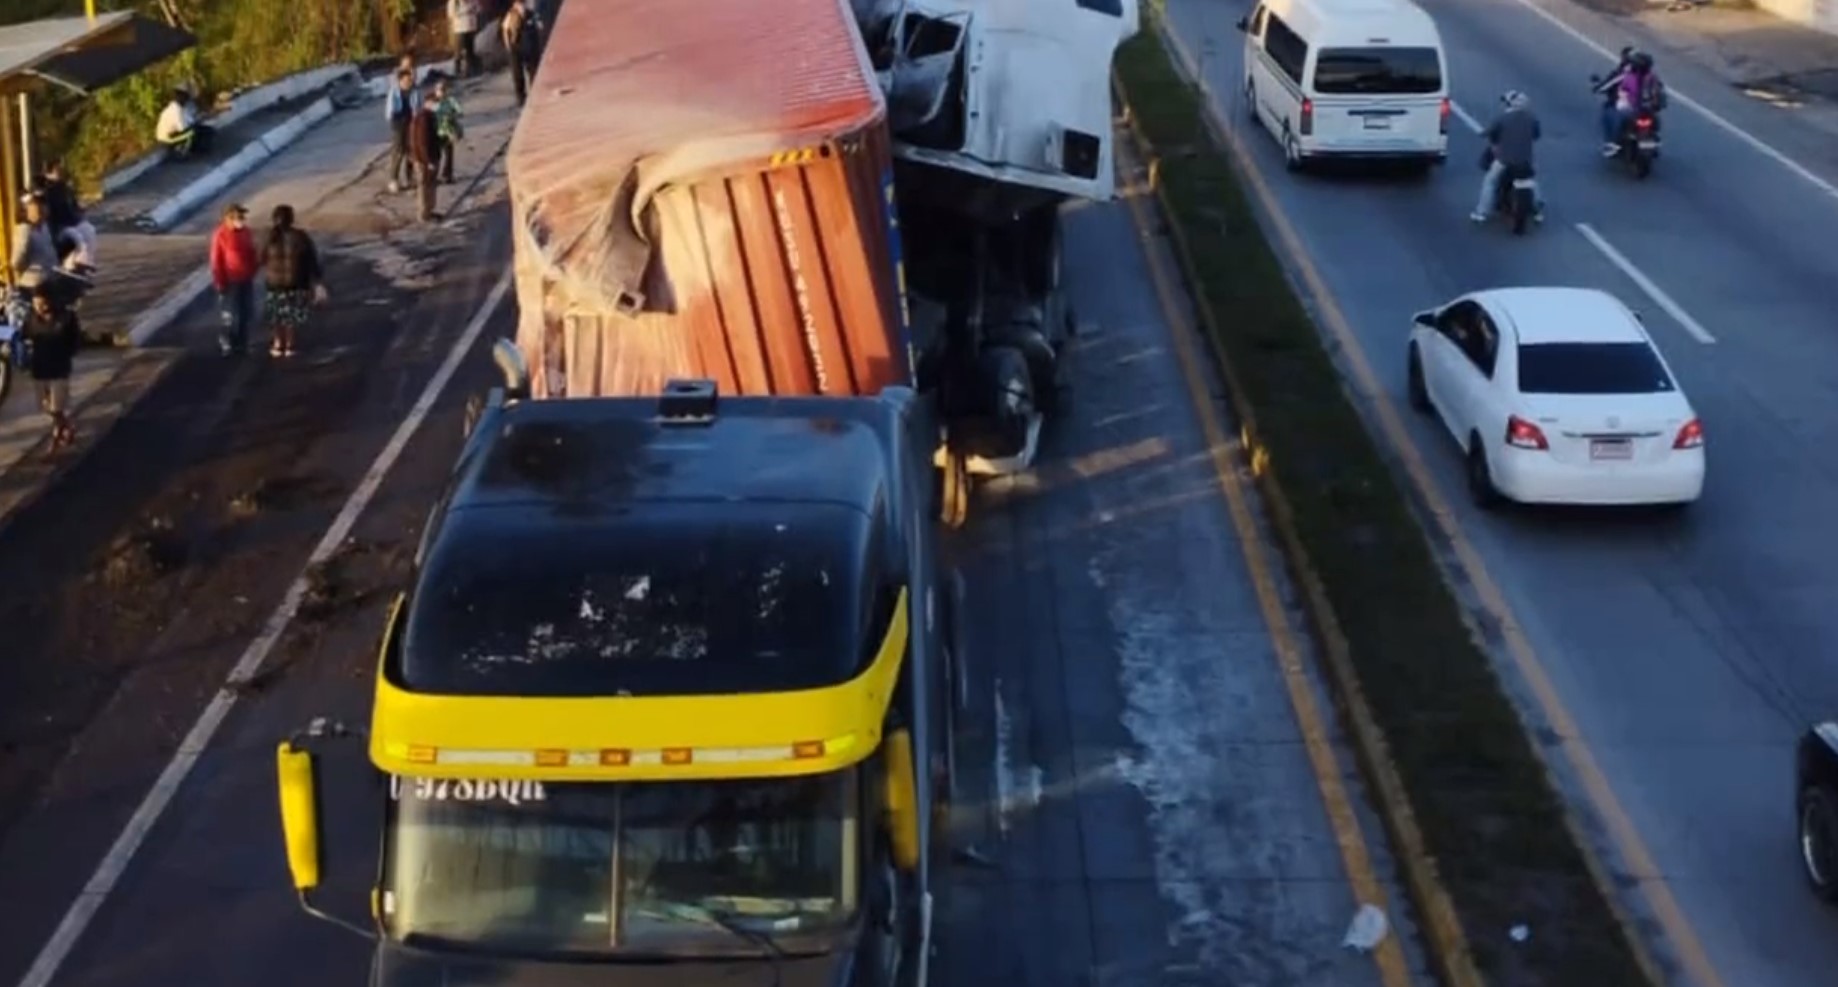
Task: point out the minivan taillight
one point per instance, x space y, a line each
1524 434
1690 435
1308 117
1442 120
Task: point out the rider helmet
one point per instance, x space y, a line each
1513 99
1642 61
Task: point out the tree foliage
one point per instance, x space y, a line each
240 43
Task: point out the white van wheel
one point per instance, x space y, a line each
1250 99
1292 152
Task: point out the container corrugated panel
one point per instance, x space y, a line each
701 189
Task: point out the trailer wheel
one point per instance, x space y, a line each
955 502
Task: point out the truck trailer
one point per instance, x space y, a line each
669 699
721 190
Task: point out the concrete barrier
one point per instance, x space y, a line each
180 204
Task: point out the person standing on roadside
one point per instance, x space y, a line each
234 263
52 338
521 29
463 18
448 127
399 109
424 148
34 246
296 280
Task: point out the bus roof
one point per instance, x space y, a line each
599 562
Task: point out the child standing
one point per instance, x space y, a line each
447 127
52 337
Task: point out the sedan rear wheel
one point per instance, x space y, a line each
1418 393
1480 478
1819 841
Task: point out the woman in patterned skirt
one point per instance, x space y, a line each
295 279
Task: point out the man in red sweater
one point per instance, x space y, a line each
234 264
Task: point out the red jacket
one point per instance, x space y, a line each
233 257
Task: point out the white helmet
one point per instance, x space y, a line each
1513 99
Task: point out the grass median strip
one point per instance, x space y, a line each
1481 796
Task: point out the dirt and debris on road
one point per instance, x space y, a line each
154 548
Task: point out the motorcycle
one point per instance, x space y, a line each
1517 198
1640 143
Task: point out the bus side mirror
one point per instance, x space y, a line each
900 797
1244 24
299 785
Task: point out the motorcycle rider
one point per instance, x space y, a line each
1510 140
1633 88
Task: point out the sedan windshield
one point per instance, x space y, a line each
1592 368
644 868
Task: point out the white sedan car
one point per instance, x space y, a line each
1557 396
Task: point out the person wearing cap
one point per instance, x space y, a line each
234 263
52 338
178 128
34 246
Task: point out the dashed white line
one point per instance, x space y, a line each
1005 775
1645 284
115 863
1706 112
1467 120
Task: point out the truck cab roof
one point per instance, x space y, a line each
595 547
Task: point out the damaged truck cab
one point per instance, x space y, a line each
670 697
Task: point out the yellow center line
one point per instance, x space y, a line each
1654 888
1354 854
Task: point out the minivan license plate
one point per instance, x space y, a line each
1378 123
1611 449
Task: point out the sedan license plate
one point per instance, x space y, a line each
1378 123
1611 449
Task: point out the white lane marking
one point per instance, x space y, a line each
115 863
1468 121
1706 112
1645 284
1005 778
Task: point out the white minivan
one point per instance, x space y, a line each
1363 79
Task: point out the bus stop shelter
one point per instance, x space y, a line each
78 55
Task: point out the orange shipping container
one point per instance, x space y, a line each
704 188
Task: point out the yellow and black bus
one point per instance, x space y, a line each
672 686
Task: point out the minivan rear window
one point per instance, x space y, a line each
1378 70
1592 368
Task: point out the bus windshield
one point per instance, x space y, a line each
636 869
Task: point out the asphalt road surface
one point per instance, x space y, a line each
1682 655
1138 783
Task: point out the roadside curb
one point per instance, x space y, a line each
242 104
1448 940
177 206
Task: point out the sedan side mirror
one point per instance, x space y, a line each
1244 23
1425 319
